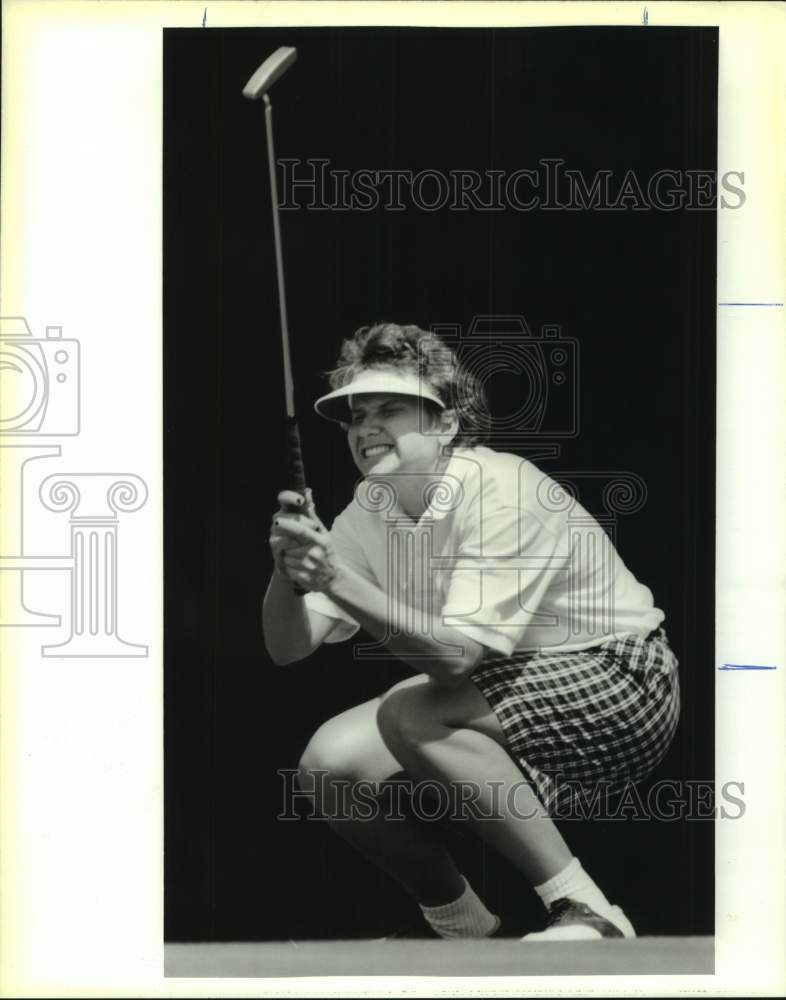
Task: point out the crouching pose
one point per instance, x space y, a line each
536 670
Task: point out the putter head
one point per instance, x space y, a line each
270 70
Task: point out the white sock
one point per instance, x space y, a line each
574 883
465 917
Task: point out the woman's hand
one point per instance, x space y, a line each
295 507
292 631
305 549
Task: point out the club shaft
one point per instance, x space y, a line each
282 299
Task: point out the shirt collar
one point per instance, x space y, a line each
378 496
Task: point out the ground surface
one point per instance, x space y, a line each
500 957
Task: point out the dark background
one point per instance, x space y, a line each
636 290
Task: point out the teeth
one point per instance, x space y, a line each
375 449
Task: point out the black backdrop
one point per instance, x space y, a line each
635 288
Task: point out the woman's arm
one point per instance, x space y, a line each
446 654
292 632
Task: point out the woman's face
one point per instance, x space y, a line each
391 433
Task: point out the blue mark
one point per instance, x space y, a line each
646 17
751 304
743 666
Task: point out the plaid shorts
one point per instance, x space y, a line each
574 721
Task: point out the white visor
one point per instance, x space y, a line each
335 405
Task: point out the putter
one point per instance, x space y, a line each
271 69
263 79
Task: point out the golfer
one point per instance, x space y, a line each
533 670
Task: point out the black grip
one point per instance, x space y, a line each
297 472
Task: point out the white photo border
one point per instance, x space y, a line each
81 737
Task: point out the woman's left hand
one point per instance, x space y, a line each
312 564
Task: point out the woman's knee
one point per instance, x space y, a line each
348 747
405 716
331 750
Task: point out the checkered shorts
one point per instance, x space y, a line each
574 721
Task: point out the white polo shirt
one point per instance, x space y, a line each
502 553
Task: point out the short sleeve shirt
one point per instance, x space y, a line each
494 556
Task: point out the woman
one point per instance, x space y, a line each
537 674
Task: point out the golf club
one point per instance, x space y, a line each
265 76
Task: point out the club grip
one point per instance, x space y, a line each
297 472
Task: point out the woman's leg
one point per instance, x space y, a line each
454 736
350 749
